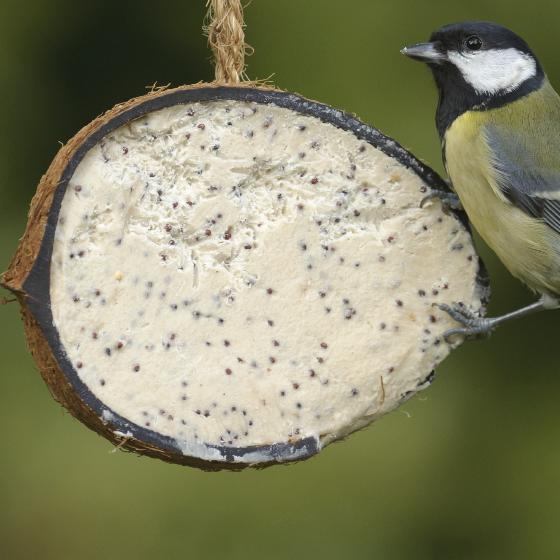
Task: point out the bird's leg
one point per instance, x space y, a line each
475 326
449 200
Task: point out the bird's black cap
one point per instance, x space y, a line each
492 35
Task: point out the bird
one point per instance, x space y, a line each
498 119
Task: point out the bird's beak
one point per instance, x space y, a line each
431 53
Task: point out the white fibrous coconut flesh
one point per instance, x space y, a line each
247 282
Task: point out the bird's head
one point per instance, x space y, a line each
479 65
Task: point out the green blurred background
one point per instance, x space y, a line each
469 469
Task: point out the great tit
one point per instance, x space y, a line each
498 119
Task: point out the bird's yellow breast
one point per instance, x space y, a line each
524 244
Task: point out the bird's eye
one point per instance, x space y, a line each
473 43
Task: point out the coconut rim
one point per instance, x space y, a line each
34 293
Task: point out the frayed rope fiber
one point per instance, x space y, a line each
224 27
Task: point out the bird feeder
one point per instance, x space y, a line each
228 274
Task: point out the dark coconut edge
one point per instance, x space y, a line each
32 286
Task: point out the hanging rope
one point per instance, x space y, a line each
224 27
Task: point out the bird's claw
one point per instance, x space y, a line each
449 200
473 325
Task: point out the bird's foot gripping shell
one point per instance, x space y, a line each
449 200
474 326
236 276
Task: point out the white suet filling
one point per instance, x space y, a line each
238 274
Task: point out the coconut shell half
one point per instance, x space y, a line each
234 276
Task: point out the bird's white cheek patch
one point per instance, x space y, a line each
493 71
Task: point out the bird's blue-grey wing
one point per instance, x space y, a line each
524 181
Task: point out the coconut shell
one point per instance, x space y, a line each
28 274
